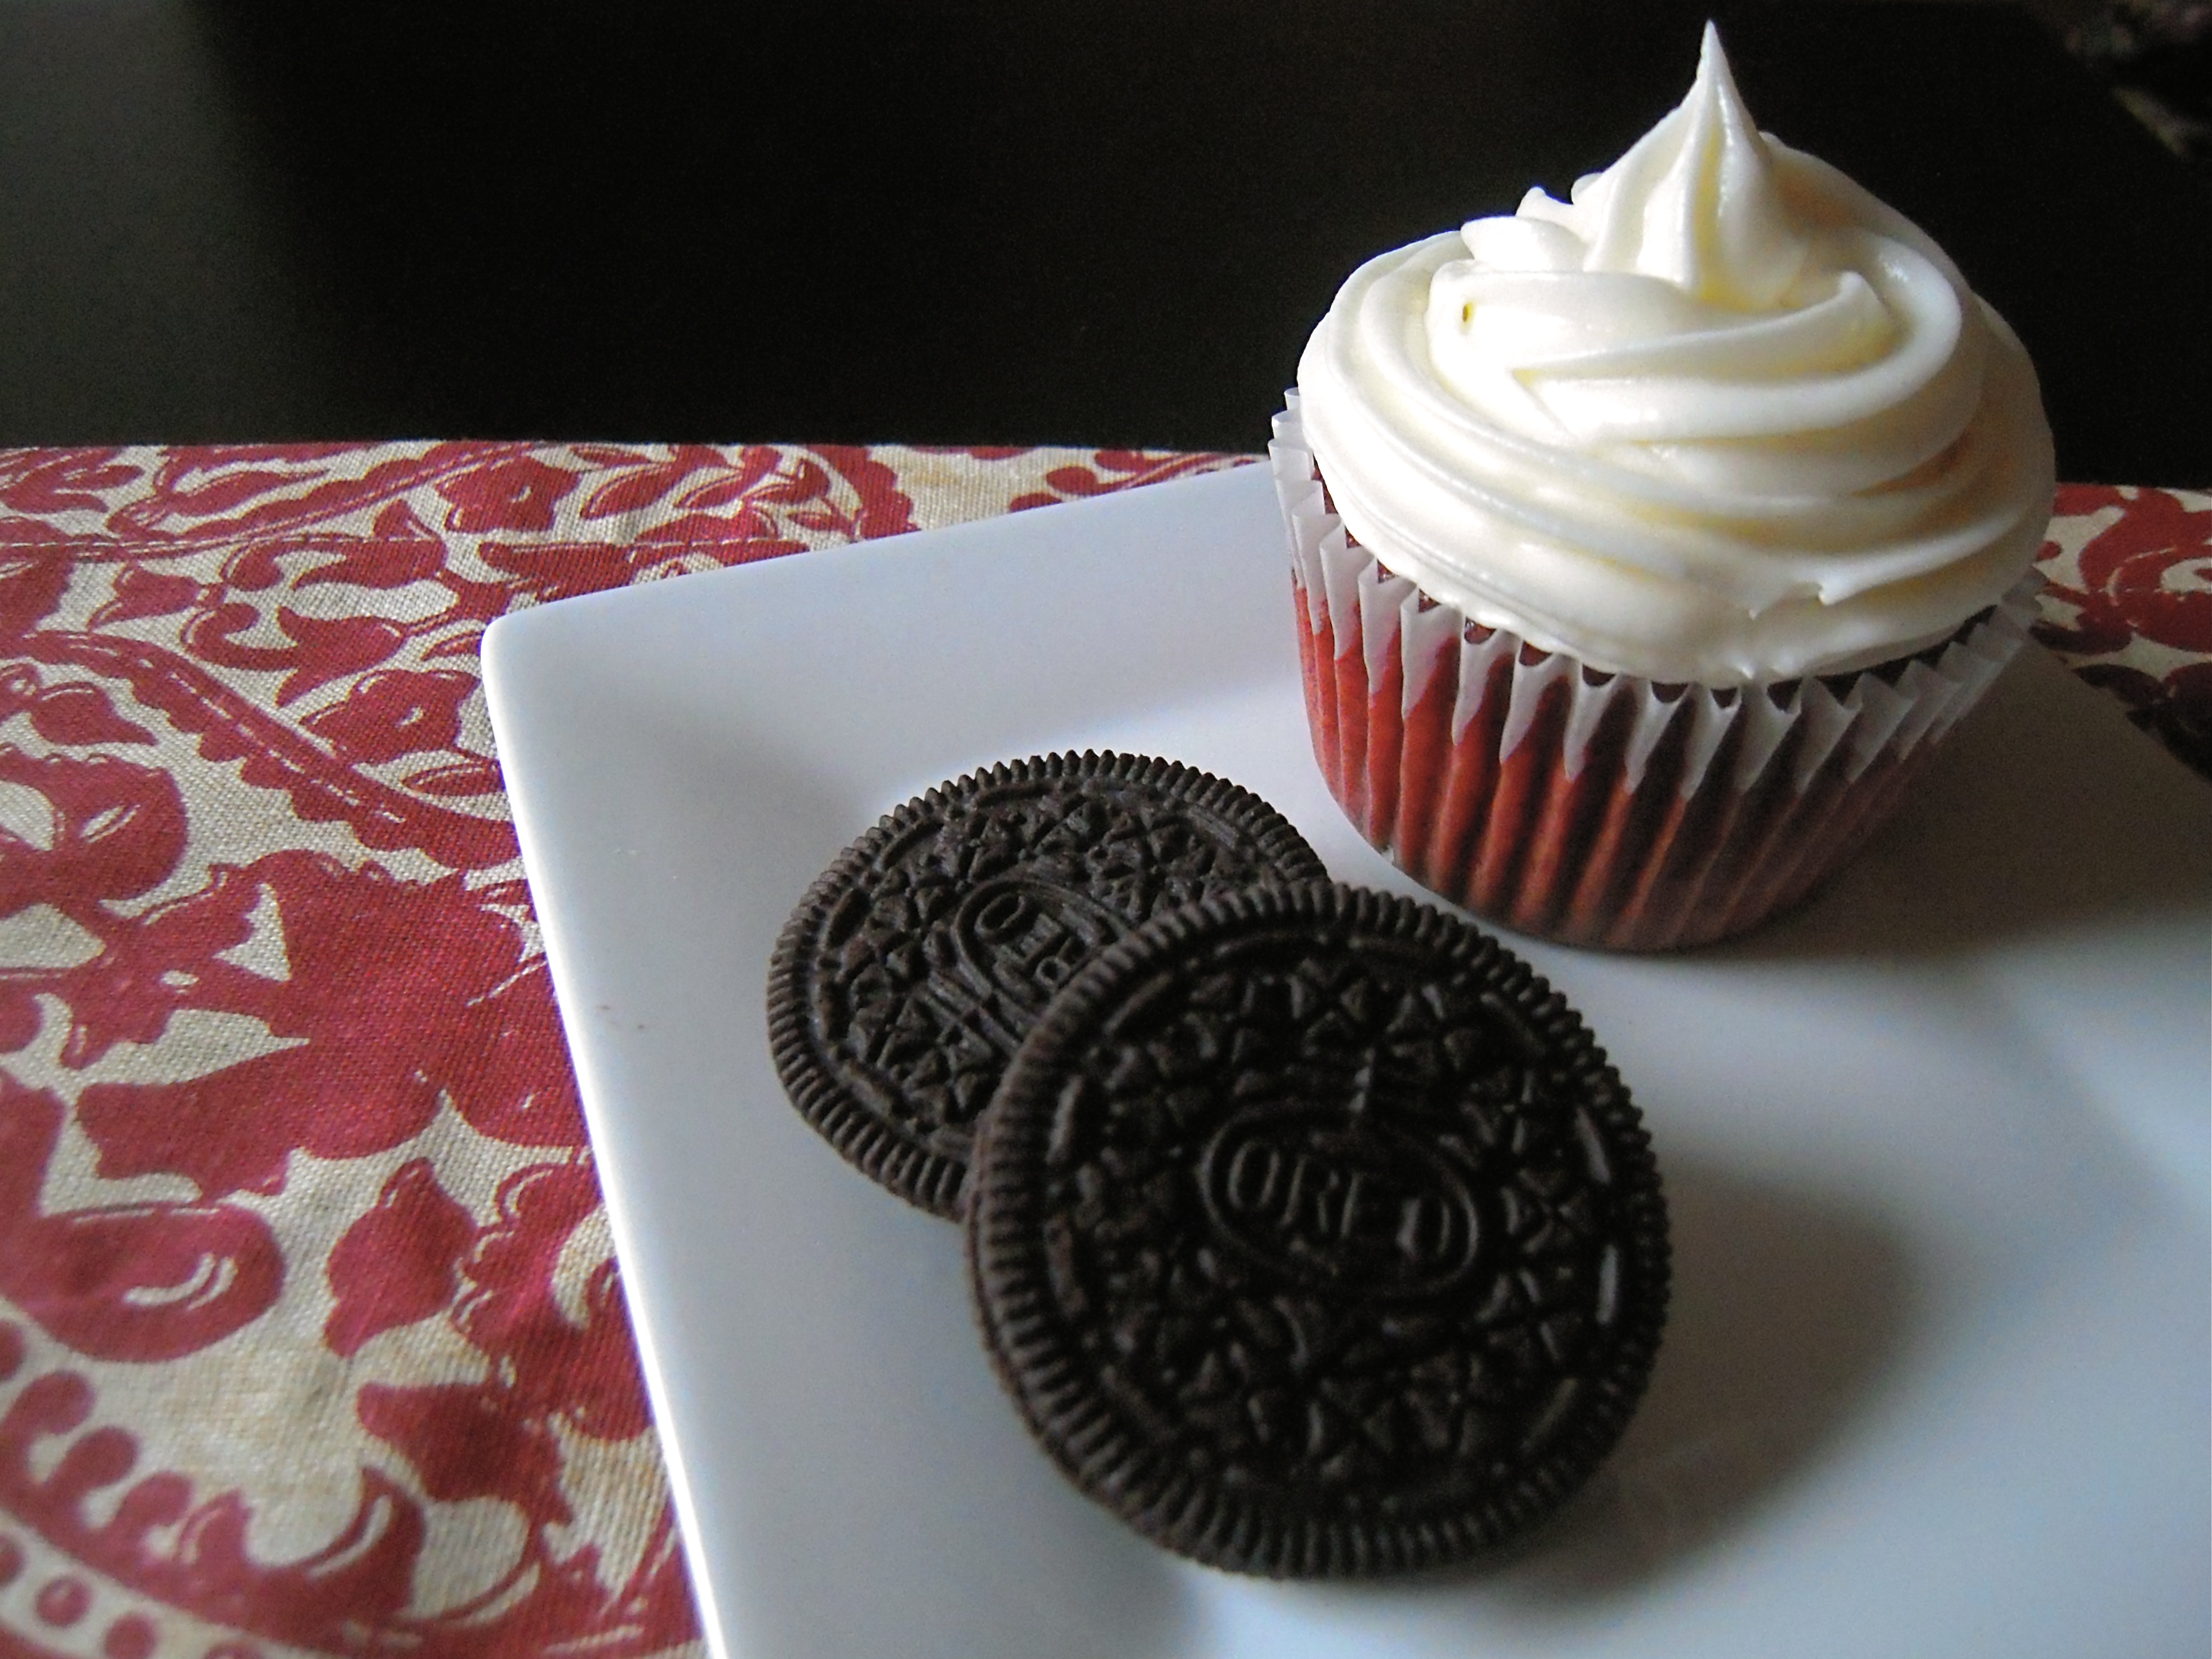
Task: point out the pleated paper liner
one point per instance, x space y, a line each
1599 809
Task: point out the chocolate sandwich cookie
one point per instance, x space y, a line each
916 964
1313 1235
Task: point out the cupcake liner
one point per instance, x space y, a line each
1593 808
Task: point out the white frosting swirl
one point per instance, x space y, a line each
1723 418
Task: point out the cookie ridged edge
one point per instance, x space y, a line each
1180 1512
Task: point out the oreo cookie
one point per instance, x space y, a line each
1312 1234
914 967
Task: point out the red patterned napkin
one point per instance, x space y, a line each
310 1335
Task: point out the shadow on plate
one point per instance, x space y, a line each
1789 1312
2049 814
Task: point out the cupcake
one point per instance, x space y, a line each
1646 544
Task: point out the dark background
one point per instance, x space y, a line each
955 222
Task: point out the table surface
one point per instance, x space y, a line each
311 1339
955 221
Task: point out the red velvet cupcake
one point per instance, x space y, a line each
1648 545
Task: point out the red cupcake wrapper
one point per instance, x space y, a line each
1591 808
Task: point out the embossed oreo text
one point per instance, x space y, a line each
1022 939
1347 1203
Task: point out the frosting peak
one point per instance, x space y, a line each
1695 203
1721 416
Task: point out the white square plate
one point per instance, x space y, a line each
1939 1376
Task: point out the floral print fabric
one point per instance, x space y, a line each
311 1339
